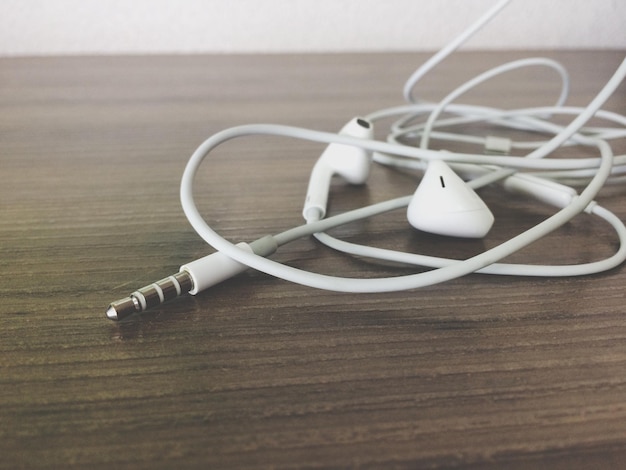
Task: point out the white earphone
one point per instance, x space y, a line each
444 204
350 162
445 201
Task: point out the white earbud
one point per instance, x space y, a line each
349 162
444 204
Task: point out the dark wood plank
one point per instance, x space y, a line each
480 372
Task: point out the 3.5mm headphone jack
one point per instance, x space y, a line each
192 278
151 296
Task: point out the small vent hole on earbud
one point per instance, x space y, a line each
443 183
363 123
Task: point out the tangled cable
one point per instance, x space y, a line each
480 170
569 184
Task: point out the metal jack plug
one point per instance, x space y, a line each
193 277
151 296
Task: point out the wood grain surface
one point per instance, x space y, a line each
481 372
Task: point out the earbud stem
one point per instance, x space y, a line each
352 163
317 193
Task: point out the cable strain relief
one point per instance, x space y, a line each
313 213
264 246
498 145
590 207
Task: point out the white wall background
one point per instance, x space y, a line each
41 27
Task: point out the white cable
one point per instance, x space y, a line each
488 75
450 48
493 115
417 280
509 119
473 264
500 269
540 175
379 284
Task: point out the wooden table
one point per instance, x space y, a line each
481 372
